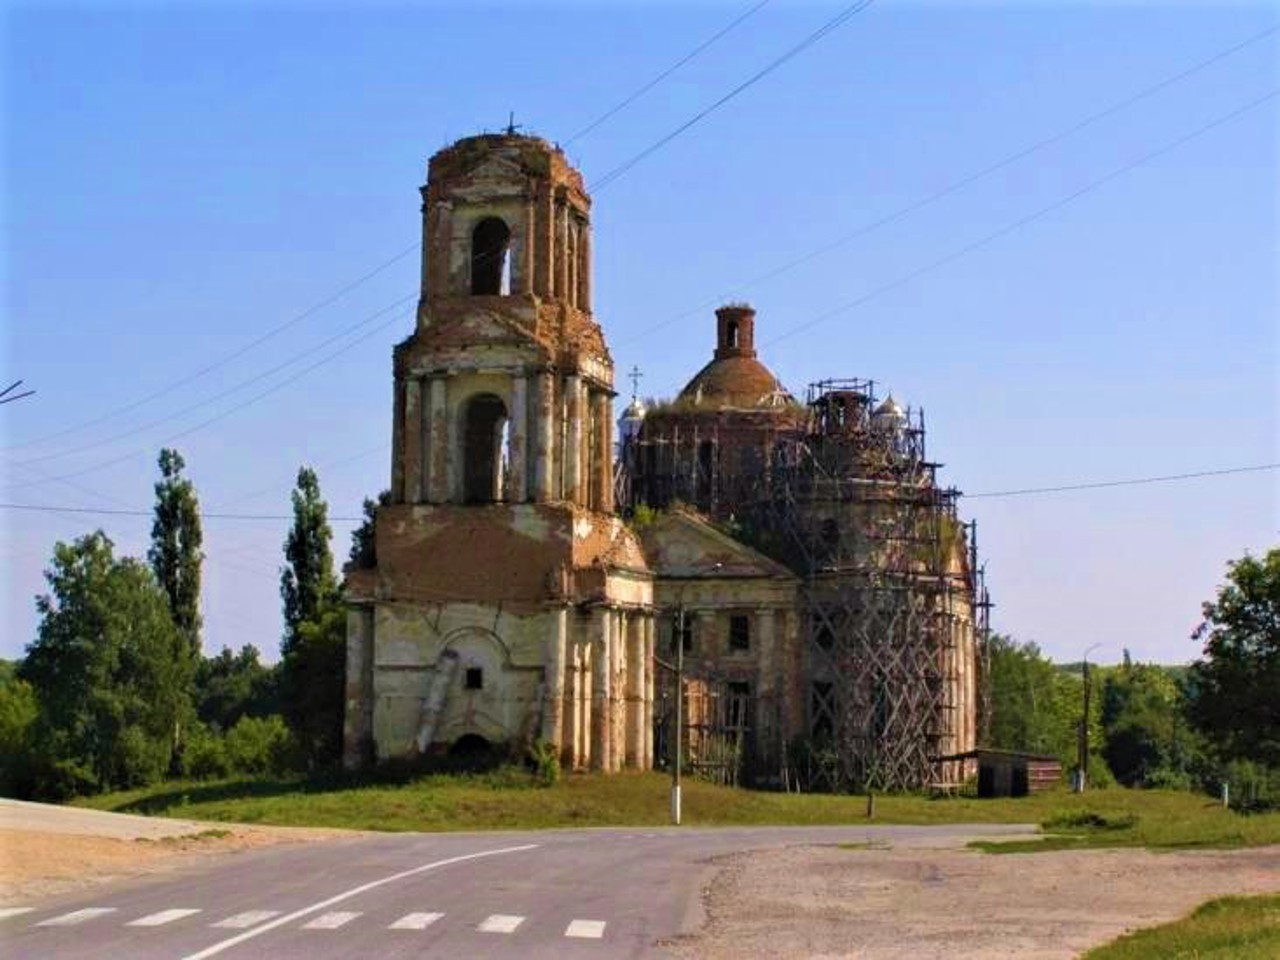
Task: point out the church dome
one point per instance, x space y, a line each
735 379
889 416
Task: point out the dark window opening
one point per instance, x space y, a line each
682 632
474 679
739 632
731 334
484 430
490 248
738 704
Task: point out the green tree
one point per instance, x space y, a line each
234 685
175 553
364 554
1036 705
1146 739
1236 686
18 714
109 670
313 650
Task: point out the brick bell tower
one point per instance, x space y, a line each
508 601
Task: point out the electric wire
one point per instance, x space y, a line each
632 98
957 185
989 495
838 20
1009 228
224 360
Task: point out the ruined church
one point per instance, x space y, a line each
539 564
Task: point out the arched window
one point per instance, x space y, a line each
484 428
731 334
490 250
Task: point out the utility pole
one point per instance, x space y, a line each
676 744
1082 750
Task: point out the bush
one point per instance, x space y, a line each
544 760
259 746
205 756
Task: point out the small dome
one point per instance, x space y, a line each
889 416
635 411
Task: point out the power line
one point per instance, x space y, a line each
1029 218
257 378
992 495
839 19
1131 482
225 413
665 73
109 512
957 185
224 360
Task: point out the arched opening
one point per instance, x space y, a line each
470 745
731 334
484 428
490 251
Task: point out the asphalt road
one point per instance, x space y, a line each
564 894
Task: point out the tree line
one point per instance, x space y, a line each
1194 727
115 691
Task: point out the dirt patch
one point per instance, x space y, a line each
46 850
889 904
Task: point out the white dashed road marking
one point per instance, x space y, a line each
500 923
347 895
246 919
330 921
14 911
77 916
161 918
415 921
586 929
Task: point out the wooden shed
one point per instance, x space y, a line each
1008 773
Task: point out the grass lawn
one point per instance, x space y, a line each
1240 928
511 800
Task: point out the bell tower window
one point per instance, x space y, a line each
490 256
731 331
484 429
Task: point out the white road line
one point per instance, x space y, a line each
586 929
500 923
346 895
330 921
247 919
161 918
77 916
14 911
415 921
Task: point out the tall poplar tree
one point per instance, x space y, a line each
175 553
312 650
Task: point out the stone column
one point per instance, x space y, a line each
562 250
518 442
574 412
543 437
557 638
437 446
618 698
357 719
412 434
397 443
650 649
602 456
601 727
766 679
586 730
637 667
584 268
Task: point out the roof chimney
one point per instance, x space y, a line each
735 331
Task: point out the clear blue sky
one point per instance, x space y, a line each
179 179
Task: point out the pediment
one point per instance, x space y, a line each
498 167
681 543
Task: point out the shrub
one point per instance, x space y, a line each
205 756
544 760
259 746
